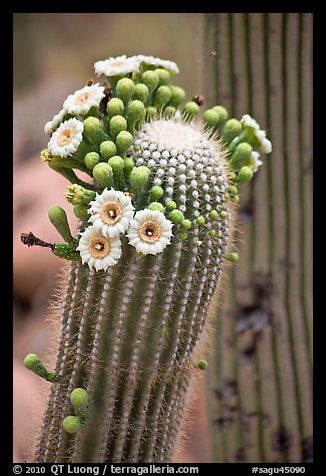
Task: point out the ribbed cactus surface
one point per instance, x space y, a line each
157 221
260 384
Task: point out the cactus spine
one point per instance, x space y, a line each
136 304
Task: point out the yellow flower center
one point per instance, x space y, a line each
65 137
150 232
111 213
99 247
82 98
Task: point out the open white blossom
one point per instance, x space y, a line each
97 250
151 60
66 139
111 212
82 100
248 121
149 232
56 120
254 161
116 66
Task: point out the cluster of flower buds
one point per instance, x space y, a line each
102 130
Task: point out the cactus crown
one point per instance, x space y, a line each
162 182
145 150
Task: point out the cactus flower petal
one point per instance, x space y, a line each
150 232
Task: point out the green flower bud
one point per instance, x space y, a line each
117 164
171 205
177 97
76 194
211 118
162 96
169 111
92 159
232 176
163 75
245 175
93 130
58 218
141 92
103 174
156 193
135 76
156 206
151 79
222 114
213 214
71 424
231 129
117 124
124 89
183 235
241 155
108 149
191 109
128 166
200 220
65 251
212 233
79 399
136 113
151 113
223 214
33 363
186 224
123 141
176 216
232 257
233 190
138 179
235 198
115 107
80 211
202 364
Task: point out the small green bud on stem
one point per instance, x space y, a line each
156 206
124 89
156 193
33 363
79 400
245 175
108 149
178 96
191 109
117 164
115 107
202 364
231 130
92 159
76 194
